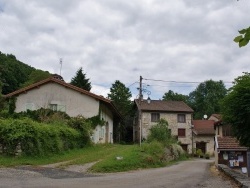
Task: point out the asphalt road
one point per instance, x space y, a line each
187 174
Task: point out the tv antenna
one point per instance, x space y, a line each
60 66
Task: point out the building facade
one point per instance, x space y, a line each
176 113
55 94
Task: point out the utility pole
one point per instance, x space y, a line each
140 114
140 90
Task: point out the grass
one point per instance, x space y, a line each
133 157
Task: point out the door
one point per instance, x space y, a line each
107 133
202 146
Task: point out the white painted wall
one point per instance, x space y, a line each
172 124
73 103
52 93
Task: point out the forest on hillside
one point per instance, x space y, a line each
15 74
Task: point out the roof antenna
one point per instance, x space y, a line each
60 66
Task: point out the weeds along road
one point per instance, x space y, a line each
187 174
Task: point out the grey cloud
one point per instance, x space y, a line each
121 40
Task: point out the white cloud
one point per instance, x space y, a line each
184 40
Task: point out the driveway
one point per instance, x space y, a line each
193 173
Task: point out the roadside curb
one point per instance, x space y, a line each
241 179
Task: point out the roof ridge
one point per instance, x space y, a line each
27 88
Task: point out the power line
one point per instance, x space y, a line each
176 81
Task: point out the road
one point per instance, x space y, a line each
194 173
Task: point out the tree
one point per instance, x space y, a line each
13 73
36 76
161 133
81 81
172 96
236 108
243 38
120 95
1 97
206 97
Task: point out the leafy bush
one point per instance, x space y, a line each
42 115
177 151
83 126
37 138
161 133
153 152
199 152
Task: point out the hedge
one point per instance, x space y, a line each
37 138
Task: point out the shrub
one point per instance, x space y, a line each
199 152
83 126
37 138
177 151
153 152
161 133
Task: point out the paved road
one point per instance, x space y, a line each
195 173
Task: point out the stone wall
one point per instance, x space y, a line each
173 126
209 140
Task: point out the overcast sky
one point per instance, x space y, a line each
169 40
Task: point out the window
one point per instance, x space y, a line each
53 107
155 117
181 132
101 133
181 118
57 107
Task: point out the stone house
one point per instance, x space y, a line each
228 150
203 135
177 113
55 94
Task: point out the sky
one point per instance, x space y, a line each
173 44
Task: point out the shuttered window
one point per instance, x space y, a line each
181 132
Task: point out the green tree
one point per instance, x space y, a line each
36 76
172 96
1 97
13 73
243 38
80 80
121 95
206 97
236 108
161 133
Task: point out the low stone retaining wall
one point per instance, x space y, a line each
241 179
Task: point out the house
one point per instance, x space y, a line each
177 113
203 135
228 150
58 95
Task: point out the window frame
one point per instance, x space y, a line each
180 118
53 107
182 134
155 117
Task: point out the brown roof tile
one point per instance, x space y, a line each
215 116
228 143
203 127
164 106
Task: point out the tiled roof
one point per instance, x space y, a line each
229 143
216 117
164 106
203 127
60 82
